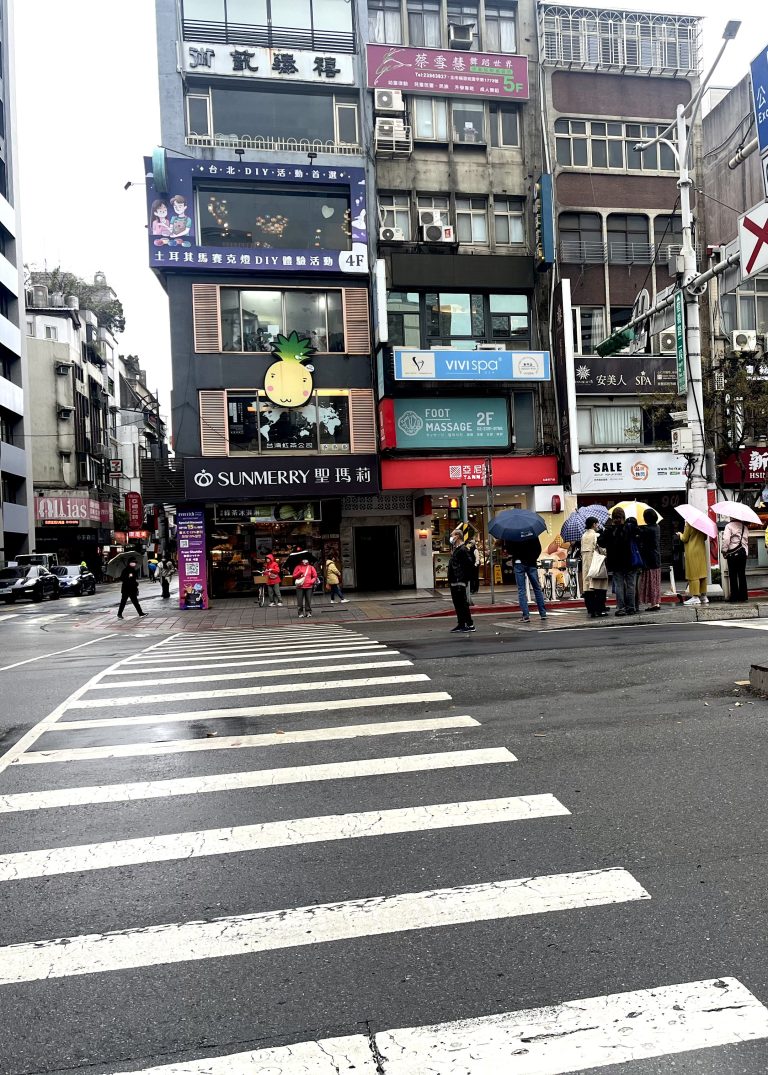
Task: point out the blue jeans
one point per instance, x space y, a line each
531 572
336 592
625 588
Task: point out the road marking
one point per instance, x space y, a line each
204 843
264 653
323 706
750 625
258 778
565 1038
57 652
235 742
220 641
372 650
238 692
179 942
9 616
312 669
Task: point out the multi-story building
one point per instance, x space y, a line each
15 463
464 378
74 415
613 79
258 229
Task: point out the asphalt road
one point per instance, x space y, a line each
222 855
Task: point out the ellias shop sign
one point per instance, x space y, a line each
445 423
286 476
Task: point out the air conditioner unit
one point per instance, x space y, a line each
62 369
437 233
664 343
433 216
460 35
388 101
491 347
744 342
391 235
64 413
682 441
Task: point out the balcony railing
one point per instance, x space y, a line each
582 253
622 253
271 145
393 139
281 37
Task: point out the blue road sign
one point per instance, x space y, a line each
759 68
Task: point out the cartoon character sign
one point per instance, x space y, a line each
161 229
288 382
181 224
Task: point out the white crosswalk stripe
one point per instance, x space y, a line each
368 757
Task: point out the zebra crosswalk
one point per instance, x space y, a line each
221 819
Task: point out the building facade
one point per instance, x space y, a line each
15 461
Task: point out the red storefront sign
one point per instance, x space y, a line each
453 473
750 465
135 509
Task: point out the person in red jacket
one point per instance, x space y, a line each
272 575
305 577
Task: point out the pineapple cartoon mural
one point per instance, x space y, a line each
288 382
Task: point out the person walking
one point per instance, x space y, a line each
333 581
304 577
595 590
649 584
461 567
129 587
735 548
695 564
272 575
165 572
525 555
623 559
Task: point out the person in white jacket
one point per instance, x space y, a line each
165 573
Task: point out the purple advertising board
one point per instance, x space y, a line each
251 217
441 71
193 571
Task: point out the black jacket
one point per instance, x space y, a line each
617 540
528 552
130 580
650 545
461 566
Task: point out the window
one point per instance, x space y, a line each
30 328
430 119
257 426
505 126
437 202
199 115
581 237
324 117
403 319
51 332
500 28
667 237
384 23
747 307
468 121
628 239
609 144
424 23
614 427
250 320
455 314
472 220
205 10
523 421
465 14
508 221
634 40
275 217
395 212
588 328
509 316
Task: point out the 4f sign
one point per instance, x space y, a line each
753 241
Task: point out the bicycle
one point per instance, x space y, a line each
567 582
545 576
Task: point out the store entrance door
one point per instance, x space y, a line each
377 557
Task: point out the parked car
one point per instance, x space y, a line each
75 581
34 582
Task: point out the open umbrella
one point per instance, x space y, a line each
595 511
634 509
118 563
516 524
732 509
574 526
698 520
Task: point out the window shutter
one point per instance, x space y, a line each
205 316
214 439
357 325
362 420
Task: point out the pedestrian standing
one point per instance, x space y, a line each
735 548
649 585
695 564
474 582
525 555
272 575
165 573
461 567
595 589
623 559
152 566
129 587
304 578
333 582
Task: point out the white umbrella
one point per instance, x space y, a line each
116 565
732 509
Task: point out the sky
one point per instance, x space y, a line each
88 111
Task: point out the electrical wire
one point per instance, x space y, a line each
751 117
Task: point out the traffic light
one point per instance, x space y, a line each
617 341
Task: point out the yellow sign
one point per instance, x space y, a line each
468 531
497 574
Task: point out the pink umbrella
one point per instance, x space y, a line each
732 509
698 520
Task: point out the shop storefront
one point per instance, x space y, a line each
745 477
75 528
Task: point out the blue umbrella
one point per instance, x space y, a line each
574 526
515 524
595 511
